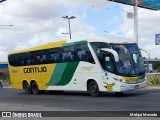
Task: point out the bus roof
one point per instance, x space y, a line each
107 39
110 39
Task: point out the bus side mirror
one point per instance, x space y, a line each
113 52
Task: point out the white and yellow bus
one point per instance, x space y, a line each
97 64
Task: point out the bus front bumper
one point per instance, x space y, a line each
131 86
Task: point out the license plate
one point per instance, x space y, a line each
136 86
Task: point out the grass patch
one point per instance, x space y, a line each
153 80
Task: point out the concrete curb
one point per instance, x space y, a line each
7 87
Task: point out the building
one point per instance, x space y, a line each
3 65
149 66
3 68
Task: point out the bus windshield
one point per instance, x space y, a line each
130 59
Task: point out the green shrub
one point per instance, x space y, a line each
153 79
5 75
6 82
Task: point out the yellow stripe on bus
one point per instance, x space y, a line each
130 79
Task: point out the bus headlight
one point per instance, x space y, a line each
120 80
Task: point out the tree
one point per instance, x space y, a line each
156 65
5 75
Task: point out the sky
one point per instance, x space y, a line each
37 22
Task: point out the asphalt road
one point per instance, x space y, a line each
137 100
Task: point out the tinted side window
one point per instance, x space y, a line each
97 49
54 55
98 45
12 60
68 54
17 59
41 57
83 53
31 58
21 59
72 53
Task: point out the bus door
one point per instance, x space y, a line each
110 76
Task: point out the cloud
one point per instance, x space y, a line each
33 9
148 21
36 22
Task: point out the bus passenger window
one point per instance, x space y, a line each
66 57
54 55
83 53
68 54
38 59
32 59
41 57
44 59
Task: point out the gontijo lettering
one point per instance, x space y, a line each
35 69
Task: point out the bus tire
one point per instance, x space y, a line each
93 89
27 88
35 88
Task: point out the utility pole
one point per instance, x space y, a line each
69 18
136 20
64 35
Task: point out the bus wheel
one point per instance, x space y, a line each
27 88
93 89
35 88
